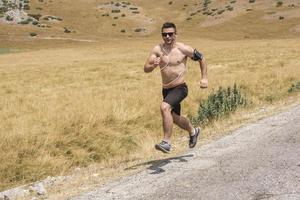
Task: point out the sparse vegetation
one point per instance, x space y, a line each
281 18
219 104
66 30
279 3
251 1
294 87
35 16
220 12
139 30
68 107
116 11
33 34
52 18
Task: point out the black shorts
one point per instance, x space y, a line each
173 96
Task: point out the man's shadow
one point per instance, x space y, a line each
156 165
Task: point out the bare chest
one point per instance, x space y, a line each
173 57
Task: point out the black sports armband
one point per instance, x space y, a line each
197 55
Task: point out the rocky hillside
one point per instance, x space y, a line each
94 19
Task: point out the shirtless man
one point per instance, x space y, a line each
171 57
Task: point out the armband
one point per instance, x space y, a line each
197 55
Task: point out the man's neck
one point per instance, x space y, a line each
167 46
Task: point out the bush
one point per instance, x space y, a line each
9 18
279 3
294 87
218 104
33 34
35 23
25 22
67 30
26 7
281 18
35 16
251 1
220 12
123 31
116 11
139 30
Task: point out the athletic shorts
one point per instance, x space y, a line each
173 96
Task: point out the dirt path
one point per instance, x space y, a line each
258 161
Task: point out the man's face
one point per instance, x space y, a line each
168 35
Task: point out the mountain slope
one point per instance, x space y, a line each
92 19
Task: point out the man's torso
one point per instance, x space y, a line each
172 65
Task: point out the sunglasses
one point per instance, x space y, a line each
165 34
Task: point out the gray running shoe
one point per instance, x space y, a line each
163 146
193 139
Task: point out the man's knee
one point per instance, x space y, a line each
165 107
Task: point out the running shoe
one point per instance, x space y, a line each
163 146
193 139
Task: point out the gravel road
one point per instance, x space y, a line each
258 161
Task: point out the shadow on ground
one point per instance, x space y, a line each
156 165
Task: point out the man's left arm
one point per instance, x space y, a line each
195 55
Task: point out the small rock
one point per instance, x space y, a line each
39 189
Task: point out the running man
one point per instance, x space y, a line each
171 57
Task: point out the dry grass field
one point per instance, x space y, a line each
67 104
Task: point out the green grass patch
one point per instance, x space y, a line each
4 50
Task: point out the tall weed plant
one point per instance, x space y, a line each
218 104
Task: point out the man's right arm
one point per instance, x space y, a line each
152 62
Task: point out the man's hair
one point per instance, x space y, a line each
168 25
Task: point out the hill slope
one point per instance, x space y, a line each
97 19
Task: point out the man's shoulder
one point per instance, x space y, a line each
157 47
181 45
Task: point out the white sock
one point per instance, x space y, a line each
193 132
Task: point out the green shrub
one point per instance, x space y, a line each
116 11
219 104
294 87
139 30
33 34
9 18
123 31
67 30
27 21
279 3
35 23
220 12
26 7
35 16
